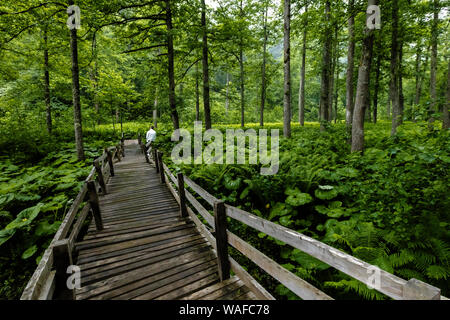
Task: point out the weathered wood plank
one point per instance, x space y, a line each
300 287
220 220
130 277
166 278
200 209
199 190
391 285
185 286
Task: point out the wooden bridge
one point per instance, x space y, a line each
145 241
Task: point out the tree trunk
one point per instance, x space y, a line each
227 98
401 97
76 94
170 55
263 71
434 44
301 99
241 67
418 84
326 64
377 81
393 87
350 65
206 98
47 84
362 89
445 113
336 89
155 110
197 95
94 79
333 68
287 69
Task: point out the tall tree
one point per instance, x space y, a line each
206 98
350 64
197 95
301 100
326 66
263 68
393 86
170 56
445 113
48 105
287 69
363 85
241 67
76 91
401 97
377 79
434 51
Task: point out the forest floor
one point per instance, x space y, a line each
388 207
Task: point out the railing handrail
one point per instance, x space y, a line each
43 282
389 284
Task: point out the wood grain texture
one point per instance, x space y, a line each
146 250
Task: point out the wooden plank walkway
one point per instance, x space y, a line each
146 250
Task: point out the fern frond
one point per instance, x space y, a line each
401 258
357 287
437 272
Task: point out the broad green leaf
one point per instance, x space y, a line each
44 228
297 198
5 235
29 252
25 217
326 193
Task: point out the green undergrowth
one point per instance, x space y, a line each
37 188
388 206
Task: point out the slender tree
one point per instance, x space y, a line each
362 89
350 65
171 71
206 98
241 67
47 82
326 66
197 95
301 100
377 80
445 113
263 68
76 91
393 86
434 51
287 69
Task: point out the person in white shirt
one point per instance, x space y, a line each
150 137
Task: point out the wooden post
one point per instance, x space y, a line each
118 152
417 290
122 145
110 161
220 222
62 259
93 200
155 158
139 139
144 150
101 180
183 208
161 167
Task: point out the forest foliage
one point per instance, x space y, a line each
226 62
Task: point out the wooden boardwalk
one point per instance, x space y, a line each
146 250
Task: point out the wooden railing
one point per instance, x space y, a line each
49 279
219 237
